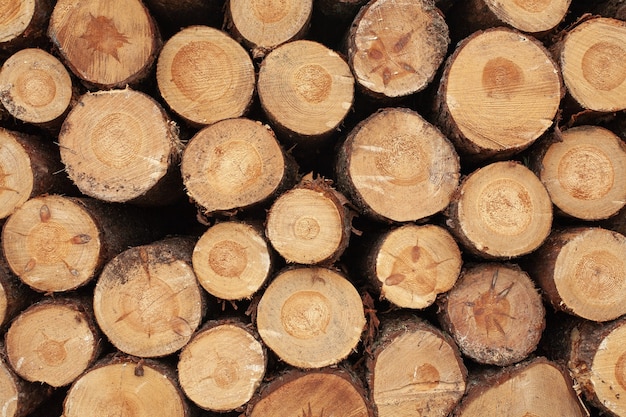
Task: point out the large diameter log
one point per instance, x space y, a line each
582 271
500 91
411 265
23 23
395 60
107 45
327 392
147 300
55 243
264 25
501 210
310 317
305 89
494 313
120 146
235 163
222 366
534 388
53 341
591 57
582 170
35 87
396 166
205 76
126 386
414 370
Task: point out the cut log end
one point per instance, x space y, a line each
16 17
532 16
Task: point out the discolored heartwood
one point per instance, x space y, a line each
395 166
53 341
494 313
147 300
221 368
199 92
414 370
263 25
234 164
399 59
107 45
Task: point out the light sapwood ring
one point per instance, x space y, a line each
310 317
15 17
305 88
232 164
16 174
530 16
231 260
205 76
52 244
34 86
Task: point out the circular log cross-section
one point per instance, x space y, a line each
310 317
108 45
119 146
22 23
494 313
397 166
330 392
592 57
232 260
52 243
582 271
500 91
263 25
147 300
501 211
414 367
222 366
309 224
125 386
582 171
413 264
233 164
394 60
205 76
305 89
53 341
35 87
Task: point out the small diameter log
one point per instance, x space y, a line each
232 260
494 313
147 300
29 166
234 164
582 170
414 370
591 56
35 88
411 264
205 76
53 341
534 388
310 317
305 89
309 224
500 211
120 146
396 166
54 243
264 25
222 366
397 59
23 23
327 392
596 357
500 92
107 45
126 386
582 271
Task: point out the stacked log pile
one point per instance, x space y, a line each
313 208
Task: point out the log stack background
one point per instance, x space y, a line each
384 208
